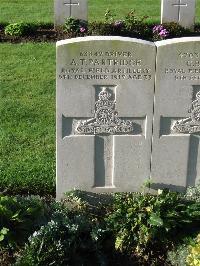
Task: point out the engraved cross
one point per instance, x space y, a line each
188 127
104 126
179 6
70 3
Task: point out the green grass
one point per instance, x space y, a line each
26 10
27 111
27 94
150 8
42 10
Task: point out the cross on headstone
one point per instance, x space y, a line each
105 125
70 3
180 5
188 127
179 11
64 9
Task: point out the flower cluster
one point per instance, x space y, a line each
82 29
160 32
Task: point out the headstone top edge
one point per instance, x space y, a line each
177 40
103 38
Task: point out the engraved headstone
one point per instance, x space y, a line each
179 11
176 132
69 8
105 88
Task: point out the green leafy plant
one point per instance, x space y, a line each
19 29
193 258
177 257
109 16
19 218
142 221
87 228
131 20
130 25
178 254
63 242
136 27
74 25
186 253
75 235
175 30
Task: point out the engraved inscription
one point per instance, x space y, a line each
190 67
103 65
106 120
191 124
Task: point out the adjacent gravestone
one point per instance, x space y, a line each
176 132
69 8
105 88
179 11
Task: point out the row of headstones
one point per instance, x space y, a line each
109 97
179 11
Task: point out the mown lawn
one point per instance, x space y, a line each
27 111
42 10
27 94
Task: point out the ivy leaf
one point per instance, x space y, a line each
155 220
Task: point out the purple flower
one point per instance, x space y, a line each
82 29
157 28
160 31
163 33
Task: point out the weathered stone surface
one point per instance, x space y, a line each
105 88
176 149
69 8
179 11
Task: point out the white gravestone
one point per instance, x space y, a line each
176 131
69 8
105 88
179 11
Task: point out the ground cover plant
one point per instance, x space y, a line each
186 252
19 29
144 222
131 25
135 228
19 218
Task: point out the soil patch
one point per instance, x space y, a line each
49 34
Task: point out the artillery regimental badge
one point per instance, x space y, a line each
191 124
106 120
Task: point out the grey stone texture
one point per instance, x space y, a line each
176 130
69 8
105 91
179 11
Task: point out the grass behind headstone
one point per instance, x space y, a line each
42 11
150 8
26 11
27 111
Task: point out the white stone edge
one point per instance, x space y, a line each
177 40
103 38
